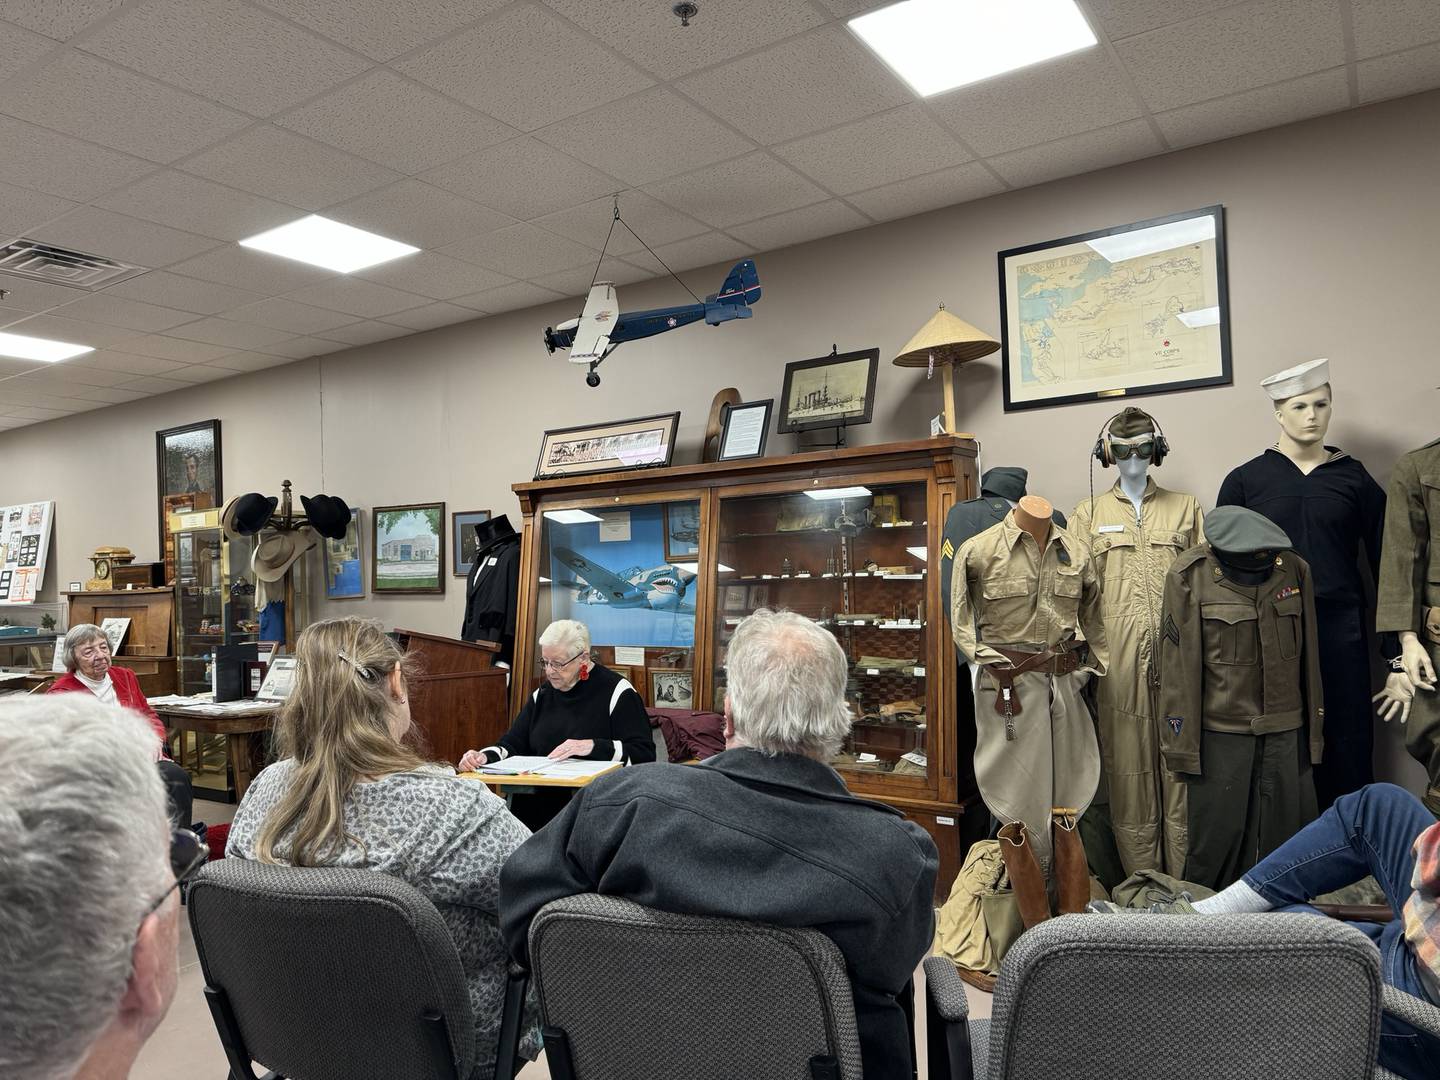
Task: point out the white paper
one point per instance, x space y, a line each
114 630
278 679
630 655
744 432
615 526
936 426
568 767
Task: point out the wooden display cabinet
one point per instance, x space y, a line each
147 647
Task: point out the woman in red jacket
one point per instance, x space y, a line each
88 666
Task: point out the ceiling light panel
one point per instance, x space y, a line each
22 347
329 244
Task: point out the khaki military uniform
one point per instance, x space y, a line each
1007 592
1409 590
1241 700
1132 557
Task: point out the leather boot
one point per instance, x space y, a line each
1072 870
1031 895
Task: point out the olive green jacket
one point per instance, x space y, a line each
1410 554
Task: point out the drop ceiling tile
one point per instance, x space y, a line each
740 190
802 85
435 276
233 53
432 316
384 29
523 178
176 350
128 363
688 254
877 150
299 348
22 210
25 294
251 361
10 423
237 335
1409 72
848 8
576 282
56 164
358 297
1383 26
114 395
75 331
366 332
921 193
90 99
185 293
416 213
797 226
522 294
1252 110
621 138
59 19
77 378
651 220
256 271
117 236
284 166
171 197
521 251
9 367
154 384
1245 46
117 311
24 391
283 314
19 49
33 412
649 35
201 373
507 66
1093 150
1125 18
396 123
1075 93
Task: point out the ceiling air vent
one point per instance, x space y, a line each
61 266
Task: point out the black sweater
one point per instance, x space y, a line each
603 707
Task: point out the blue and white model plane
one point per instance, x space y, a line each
602 325
661 588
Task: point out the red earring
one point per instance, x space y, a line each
584 673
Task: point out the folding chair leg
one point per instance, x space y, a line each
229 1032
557 1053
507 1054
437 1034
824 1067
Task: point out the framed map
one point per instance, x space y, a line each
1135 309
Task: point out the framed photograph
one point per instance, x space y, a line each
670 689
187 462
732 598
682 530
829 391
279 678
407 549
624 444
1134 309
114 630
345 563
744 429
462 538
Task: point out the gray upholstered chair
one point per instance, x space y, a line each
323 974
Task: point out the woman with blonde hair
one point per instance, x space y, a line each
351 790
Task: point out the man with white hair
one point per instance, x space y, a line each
88 874
770 820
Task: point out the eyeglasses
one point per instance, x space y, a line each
556 665
187 855
1122 451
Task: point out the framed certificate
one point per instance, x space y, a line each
745 428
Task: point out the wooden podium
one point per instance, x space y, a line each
459 699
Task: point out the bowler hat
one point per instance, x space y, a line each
278 550
328 514
246 515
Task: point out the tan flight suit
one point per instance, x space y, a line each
1241 704
1006 592
1132 557
1409 590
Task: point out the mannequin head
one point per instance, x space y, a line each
1032 513
1305 418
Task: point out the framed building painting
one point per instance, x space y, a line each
1134 309
345 563
187 463
407 549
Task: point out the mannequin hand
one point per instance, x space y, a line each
1416 660
573 748
1399 692
472 760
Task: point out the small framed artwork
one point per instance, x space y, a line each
829 391
407 549
759 596
1133 309
345 563
614 447
682 530
187 462
462 538
670 689
733 598
744 429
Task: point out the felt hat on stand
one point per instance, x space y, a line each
246 515
328 514
278 551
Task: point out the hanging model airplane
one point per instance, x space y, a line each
661 588
602 325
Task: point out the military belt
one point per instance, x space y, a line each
1060 660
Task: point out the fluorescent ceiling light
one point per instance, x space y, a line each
937 45
570 517
38 348
837 493
1137 242
920 553
1205 316
322 242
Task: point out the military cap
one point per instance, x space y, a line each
1242 531
1004 482
1132 422
1300 379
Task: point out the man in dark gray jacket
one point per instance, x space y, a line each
765 831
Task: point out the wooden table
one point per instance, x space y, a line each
241 729
526 781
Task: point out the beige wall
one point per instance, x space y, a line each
1332 225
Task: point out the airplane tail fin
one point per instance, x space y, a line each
742 287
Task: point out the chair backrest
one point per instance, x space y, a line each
644 993
1224 997
330 972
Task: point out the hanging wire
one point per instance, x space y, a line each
632 232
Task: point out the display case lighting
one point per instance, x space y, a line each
837 493
571 517
920 553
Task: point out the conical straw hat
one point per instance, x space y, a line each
949 339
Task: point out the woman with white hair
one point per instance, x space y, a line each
583 711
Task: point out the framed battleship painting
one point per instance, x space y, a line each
829 391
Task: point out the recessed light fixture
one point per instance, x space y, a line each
1205 316
837 493
38 348
571 517
937 45
321 242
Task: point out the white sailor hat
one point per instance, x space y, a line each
1300 379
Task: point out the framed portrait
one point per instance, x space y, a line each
407 549
744 430
187 462
345 563
624 444
670 689
462 538
1133 309
829 391
682 530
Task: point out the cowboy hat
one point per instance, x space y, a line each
278 551
246 515
328 514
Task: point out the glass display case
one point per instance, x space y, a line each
214 596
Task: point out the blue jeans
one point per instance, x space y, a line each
1370 831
